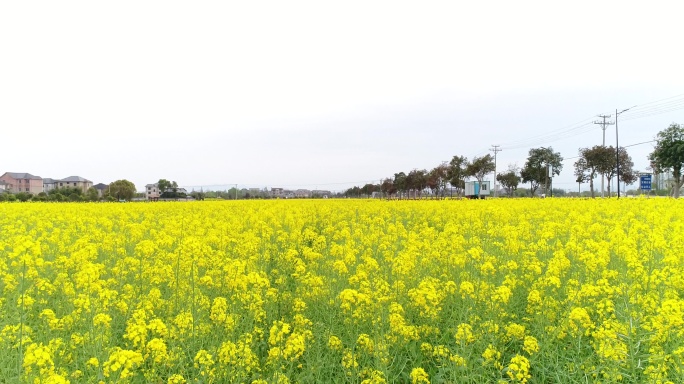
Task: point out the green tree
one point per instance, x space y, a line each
582 174
163 185
509 180
233 194
355 191
479 167
606 165
66 191
170 190
121 190
416 181
400 183
542 163
456 173
198 195
388 188
369 188
432 182
668 154
55 196
627 173
91 194
597 160
437 179
23 196
42 196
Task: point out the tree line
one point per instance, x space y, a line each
540 167
119 190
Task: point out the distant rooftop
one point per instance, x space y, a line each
20 175
76 179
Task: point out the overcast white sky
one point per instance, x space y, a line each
320 94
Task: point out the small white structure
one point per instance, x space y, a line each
473 187
153 191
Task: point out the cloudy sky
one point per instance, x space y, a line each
325 95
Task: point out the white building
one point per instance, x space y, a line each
473 189
152 191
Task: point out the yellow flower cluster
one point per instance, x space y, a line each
343 291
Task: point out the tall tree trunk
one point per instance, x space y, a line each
677 186
591 187
677 174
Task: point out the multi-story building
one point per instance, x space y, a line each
49 184
74 182
277 192
22 182
3 186
69 182
152 191
303 193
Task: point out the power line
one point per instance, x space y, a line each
552 132
625 146
644 142
647 109
642 105
643 110
653 113
365 181
548 136
584 128
656 107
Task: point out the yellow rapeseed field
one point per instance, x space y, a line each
356 291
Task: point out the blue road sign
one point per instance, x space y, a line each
645 181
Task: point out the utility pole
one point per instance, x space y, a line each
548 172
604 124
617 150
496 149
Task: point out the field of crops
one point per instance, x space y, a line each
357 291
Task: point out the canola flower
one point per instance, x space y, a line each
510 291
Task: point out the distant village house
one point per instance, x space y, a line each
16 182
22 182
101 188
